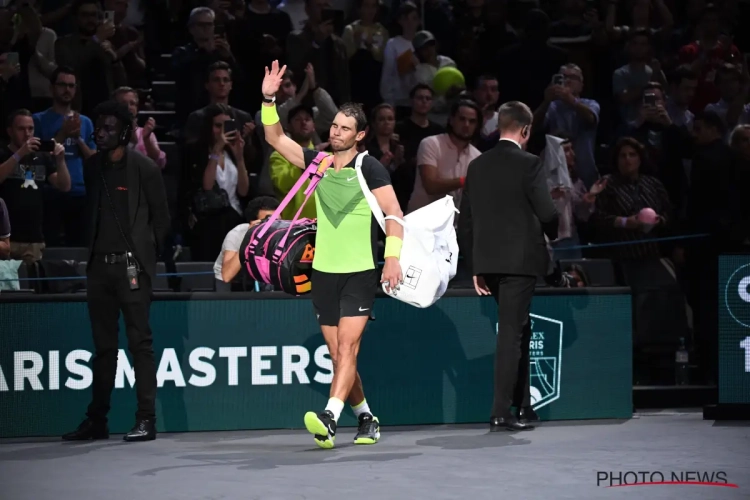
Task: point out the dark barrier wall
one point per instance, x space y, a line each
734 329
260 363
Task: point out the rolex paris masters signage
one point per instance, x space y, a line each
545 359
734 329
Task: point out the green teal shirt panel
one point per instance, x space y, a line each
347 237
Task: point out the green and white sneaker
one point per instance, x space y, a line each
368 431
323 427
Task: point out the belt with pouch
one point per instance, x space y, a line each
113 258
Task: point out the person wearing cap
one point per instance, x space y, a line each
284 175
430 61
425 47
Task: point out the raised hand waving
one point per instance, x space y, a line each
272 80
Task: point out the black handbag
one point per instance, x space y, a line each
210 202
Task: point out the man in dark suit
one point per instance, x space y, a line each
506 210
129 221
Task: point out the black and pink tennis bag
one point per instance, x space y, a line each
280 252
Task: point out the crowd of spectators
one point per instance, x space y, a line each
648 97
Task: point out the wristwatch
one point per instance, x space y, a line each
269 100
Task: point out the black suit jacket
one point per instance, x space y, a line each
147 207
506 209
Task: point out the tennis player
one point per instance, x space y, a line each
345 272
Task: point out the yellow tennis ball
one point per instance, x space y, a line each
447 77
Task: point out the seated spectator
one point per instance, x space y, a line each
486 94
530 80
190 62
629 191
732 107
127 42
90 53
41 48
480 31
227 265
317 44
365 41
682 85
384 144
66 220
24 173
563 109
410 133
14 83
640 19
706 54
213 178
574 205
711 176
143 140
284 174
219 86
629 81
262 17
400 62
4 231
443 159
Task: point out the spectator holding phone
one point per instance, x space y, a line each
144 140
565 110
27 164
90 53
66 219
219 84
214 177
384 144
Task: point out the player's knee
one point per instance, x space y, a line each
347 350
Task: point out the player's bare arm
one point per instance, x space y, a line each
386 198
274 133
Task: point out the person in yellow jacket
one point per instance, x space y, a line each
284 175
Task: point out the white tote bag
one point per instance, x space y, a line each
429 254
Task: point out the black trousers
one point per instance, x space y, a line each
108 293
513 295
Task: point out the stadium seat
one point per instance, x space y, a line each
23 283
161 284
196 282
81 270
76 254
601 272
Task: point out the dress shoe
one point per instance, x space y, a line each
88 430
508 423
526 414
144 430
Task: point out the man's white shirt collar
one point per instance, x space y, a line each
511 140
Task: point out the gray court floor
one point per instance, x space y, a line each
556 461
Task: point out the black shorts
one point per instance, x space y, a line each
336 295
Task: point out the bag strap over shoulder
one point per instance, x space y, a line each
314 172
371 200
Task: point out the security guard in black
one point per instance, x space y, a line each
129 218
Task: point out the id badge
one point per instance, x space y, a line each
132 274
